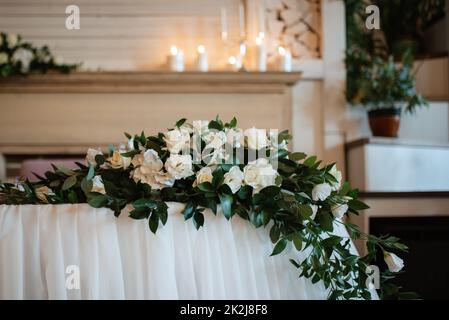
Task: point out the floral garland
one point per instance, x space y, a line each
21 58
208 164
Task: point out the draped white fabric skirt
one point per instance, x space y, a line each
43 246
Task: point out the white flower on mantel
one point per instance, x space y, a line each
177 140
43 192
321 192
256 138
394 263
117 161
339 210
204 175
259 174
91 154
179 166
97 185
234 178
3 56
338 176
24 56
12 40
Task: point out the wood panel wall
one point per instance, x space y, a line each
123 35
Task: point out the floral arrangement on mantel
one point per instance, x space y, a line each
22 58
208 164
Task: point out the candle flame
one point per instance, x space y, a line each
201 49
261 35
232 60
281 51
173 50
259 40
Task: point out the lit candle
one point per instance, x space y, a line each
201 62
224 24
261 54
284 59
234 63
176 59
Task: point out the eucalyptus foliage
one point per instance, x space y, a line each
285 208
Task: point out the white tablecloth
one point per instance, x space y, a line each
122 259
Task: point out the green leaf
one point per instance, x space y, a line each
153 222
215 125
305 211
198 220
144 202
180 122
275 232
162 210
188 210
69 182
344 189
140 213
226 205
86 185
97 200
357 205
309 162
233 123
72 197
297 156
297 241
325 220
279 247
65 171
206 187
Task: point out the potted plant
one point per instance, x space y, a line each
385 87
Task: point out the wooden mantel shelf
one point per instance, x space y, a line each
152 82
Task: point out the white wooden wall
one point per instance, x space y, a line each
122 35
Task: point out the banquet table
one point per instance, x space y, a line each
120 258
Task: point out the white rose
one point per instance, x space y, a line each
234 178
338 176
215 140
117 161
24 56
204 175
43 192
149 161
179 166
3 57
259 174
339 210
274 143
314 208
256 138
321 192
157 180
235 137
12 40
90 157
394 263
177 140
98 185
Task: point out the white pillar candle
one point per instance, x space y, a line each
201 61
234 63
176 59
284 60
261 54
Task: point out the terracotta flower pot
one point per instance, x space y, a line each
385 122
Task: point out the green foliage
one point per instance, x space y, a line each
374 79
42 60
284 208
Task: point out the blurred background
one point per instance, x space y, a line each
361 83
